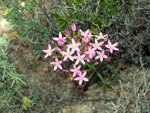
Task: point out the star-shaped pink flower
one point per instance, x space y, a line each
57 64
60 37
111 46
81 78
74 46
48 51
67 54
60 40
90 52
100 36
101 55
86 33
97 45
80 58
75 70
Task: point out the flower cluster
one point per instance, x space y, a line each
80 50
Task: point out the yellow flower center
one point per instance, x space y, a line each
79 58
96 45
67 54
74 46
81 77
86 32
48 50
87 39
101 34
111 46
91 52
75 69
102 54
57 64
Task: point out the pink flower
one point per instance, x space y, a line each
75 70
100 36
90 52
80 58
67 54
48 51
86 33
111 46
73 27
57 64
74 46
81 78
60 40
86 39
97 45
101 55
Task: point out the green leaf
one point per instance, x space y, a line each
101 78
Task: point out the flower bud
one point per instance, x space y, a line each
57 49
65 70
73 27
76 39
96 63
102 45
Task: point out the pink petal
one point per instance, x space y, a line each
101 59
56 59
115 44
79 67
83 61
109 42
85 79
80 82
60 67
53 63
73 41
108 46
78 78
84 74
116 49
60 62
74 74
45 51
77 62
65 58
49 46
55 39
46 56
97 57
111 50
105 56
55 67
60 35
